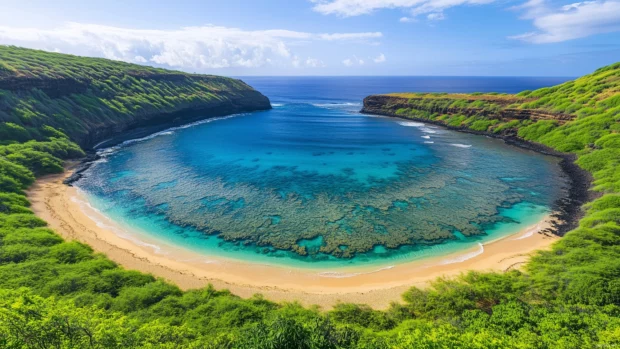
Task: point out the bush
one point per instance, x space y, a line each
71 252
567 297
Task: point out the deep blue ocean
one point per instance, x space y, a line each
313 183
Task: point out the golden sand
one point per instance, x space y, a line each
63 208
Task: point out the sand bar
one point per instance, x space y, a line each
63 208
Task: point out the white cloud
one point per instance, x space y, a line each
577 20
189 48
576 5
349 8
436 16
353 61
350 36
309 62
314 63
295 62
380 58
531 9
406 19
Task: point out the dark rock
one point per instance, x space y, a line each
567 211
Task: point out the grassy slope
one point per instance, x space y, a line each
84 97
60 294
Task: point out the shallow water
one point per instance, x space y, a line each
313 183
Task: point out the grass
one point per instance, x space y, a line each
60 294
78 95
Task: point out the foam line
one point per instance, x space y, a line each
119 232
529 233
464 257
328 105
107 151
411 124
340 275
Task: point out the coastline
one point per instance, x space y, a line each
137 134
567 210
58 204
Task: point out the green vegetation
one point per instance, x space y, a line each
58 294
81 95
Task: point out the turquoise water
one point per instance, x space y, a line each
316 184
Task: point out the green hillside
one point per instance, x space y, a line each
91 99
57 294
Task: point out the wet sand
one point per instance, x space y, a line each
64 209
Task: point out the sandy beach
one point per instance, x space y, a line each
62 207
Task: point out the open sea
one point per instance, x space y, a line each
314 184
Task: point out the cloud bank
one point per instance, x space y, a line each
553 24
568 22
189 48
349 8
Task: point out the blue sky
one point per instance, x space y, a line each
328 37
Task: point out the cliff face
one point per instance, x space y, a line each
93 99
434 111
144 123
391 105
54 88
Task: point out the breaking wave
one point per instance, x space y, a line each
336 105
119 232
110 150
529 233
464 257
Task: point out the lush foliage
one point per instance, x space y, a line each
78 95
58 294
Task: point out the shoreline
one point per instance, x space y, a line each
567 210
136 134
58 204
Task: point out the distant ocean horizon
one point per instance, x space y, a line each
313 182
355 88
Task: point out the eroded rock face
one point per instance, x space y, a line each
142 124
54 88
568 208
89 113
388 105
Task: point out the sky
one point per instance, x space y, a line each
327 37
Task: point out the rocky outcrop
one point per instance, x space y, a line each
91 115
388 105
142 124
567 210
53 87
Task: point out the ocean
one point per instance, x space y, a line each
314 184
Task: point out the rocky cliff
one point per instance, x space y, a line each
92 99
498 119
395 105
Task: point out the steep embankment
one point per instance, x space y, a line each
489 106
91 99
